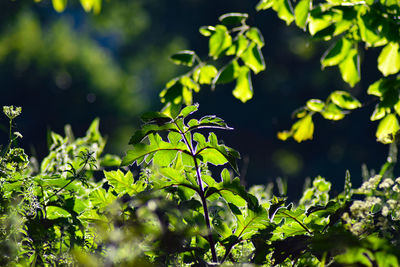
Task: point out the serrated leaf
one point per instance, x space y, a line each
99 198
164 157
337 53
387 129
243 89
389 59
233 18
315 105
219 41
185 57
264 4
253 58
350 68
148 129
344 100
367 25
186 111
255 35
301 12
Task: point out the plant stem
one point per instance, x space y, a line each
202 196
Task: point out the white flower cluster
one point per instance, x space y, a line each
380 206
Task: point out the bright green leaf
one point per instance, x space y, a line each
332 112
387 129
344 100
378 113
337 53
219 41
207 30
284 10
301 12
205 74
315 105
253 58
303 129
59 5
255 35
389 59
244 88
350 68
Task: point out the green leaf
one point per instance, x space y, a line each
100 199
332 112
164 157
185 57
219 41
255 35
205 74
303 129
147 129
315 105
284 10
59 5
387 129
228 73
337 53
188 110
244 88
378 113
344 100
253 58
123 183
368 27
207 30
301 12
389 59
255 220
264 4
350 68
233 18
54 212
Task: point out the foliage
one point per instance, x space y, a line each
165 203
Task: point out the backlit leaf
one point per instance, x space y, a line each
332 112
389 59
344 100
255 35
185 57
303 129
228 73
350 68
244 88
315 105
253 58
233 18
337 53
205 74
387 128
219 41
301 12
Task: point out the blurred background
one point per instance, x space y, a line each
72 67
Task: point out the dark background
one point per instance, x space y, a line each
72 67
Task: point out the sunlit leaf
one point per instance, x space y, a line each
228 73
389 59
207 30
219 41
303 129
243 89
387 129
315 105
332 112
255 35
205 74
350 68
185 57
253 58
233 18
344 100
337 53
301 12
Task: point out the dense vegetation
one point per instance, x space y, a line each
167 203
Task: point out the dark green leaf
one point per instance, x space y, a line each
185 57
